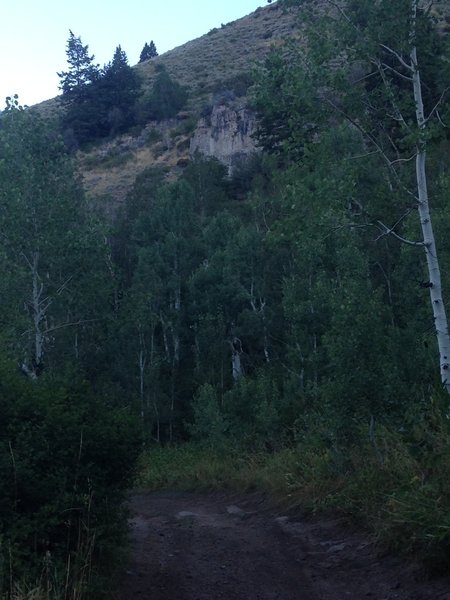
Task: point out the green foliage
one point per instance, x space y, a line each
67 456
279 268
50 250
329 317
97 102
286 101
253 409
148 51
394 484
165 99
82 71
238 84
208 180
67 446
209 423
119 90
186 467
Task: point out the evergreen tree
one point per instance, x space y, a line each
98 102
118 90
148 51
80 119
166 98
82 70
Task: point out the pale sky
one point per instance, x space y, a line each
33 34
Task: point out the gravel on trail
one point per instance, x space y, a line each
192 546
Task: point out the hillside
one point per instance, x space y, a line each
216 69
282 331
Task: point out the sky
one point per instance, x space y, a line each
34 33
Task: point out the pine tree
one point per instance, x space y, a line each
119 89
167 96
82 70
148 51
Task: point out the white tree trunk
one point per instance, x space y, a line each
236 363
260 310
435 286
38 313
142 358
38 307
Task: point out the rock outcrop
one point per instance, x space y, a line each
226 134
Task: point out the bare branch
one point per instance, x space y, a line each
351 226
63 286
374 142
343 13
387 85
389 68
398 57
438 103
403 160
368 76
387 231
361 155
27 260
71 324
440 120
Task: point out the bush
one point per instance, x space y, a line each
396 485
166 98
250 415
65 462
210 425
238 84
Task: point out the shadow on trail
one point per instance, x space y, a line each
211 547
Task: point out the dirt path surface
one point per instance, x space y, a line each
208 547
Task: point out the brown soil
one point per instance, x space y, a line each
207 547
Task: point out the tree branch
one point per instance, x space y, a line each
373 141
398 57
403 160
61 326
396 72
387 231
436 107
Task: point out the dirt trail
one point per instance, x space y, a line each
212 547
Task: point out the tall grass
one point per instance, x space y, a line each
56 581
400 492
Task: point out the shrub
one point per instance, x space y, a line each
166 98
65 461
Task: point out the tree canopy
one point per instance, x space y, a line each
281 309
98 102
82 70
148 51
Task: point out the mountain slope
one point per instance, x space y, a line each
216 69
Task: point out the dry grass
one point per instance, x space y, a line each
110 169
206 66
207 62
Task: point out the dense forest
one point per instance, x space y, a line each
282 310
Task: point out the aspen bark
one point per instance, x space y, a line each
437 302
38 308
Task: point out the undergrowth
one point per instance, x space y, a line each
397 486
66 456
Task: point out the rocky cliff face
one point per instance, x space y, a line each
226 133
214 67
